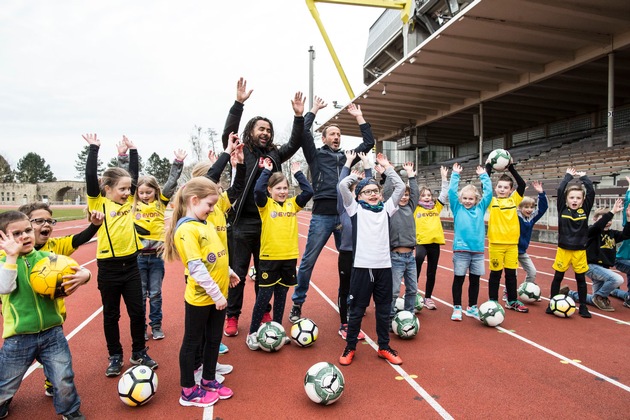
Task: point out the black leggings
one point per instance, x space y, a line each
580 280
510 284
344 265
432 253
279 293
473 289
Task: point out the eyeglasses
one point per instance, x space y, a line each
370 192
40 222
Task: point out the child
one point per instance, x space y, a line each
344 260
402 241
278 241
208 276
503 236
117 249
573 214
600 256
32 322
371 273
430 234
40 215
527 218
469 210
623 254
150 202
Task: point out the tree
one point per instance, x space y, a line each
6 174
113 163
158 167
198 146
32 168
79 164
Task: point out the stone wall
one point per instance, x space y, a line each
59 192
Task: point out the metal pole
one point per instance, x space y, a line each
480 134
611 99
311 76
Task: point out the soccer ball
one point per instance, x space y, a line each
137 385
399 305
419 303
491 313
271 336
252 273
528 292
499 159
304 332
405 325
562 305
47 275
324 383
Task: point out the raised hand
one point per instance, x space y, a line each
92 139
122 148
318 103
350 155
382 160
457 168
408 167
365 159
9 245
128 142
618 206
480 170
357 173
233 141
378 168
298 104
242 94
571 171
267 164
444 172
580 173
538 186
180 155
295 167
237 156
212 157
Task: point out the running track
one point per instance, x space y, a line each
534 366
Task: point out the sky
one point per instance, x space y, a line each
152 70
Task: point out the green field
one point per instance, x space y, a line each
61 213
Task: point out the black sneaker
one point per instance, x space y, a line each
4 408
77 415
548 311
142 358
115 365
296 312
584 313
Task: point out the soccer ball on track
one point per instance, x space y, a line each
324 383
304 332
499 159
491 313
137 385
405 325
271 336
528 292
47 275
562 306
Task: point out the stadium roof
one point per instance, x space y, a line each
528 61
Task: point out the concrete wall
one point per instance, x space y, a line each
59 192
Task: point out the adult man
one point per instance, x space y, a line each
325 165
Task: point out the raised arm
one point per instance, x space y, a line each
134 166
308 142
444 187
520 183
366 130
260 190
486 187
589 199
307 191
176 171
297 132
236 111
91 165
414 192
568 176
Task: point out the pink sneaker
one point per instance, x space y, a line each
361 336
266 318
231 328
197 397
214 386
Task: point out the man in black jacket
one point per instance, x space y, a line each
325 165
244 225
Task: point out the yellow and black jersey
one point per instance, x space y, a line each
195 240
503 224
428 225
279 237
218 217
61 246
149 219
117 236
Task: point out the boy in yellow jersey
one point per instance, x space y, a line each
503 234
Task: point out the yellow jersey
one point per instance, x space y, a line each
279 236
503 224
428 225
117 235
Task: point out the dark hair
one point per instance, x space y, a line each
276 178
29 208
508 179
248 140
325 130
9 217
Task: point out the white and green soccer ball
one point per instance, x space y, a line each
252 273
528 292
499 159
399 305
491 313
419 304
405 325
271 336
324 383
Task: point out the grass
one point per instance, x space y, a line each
61 213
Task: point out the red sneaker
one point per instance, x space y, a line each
266 318
390 355
346 357
231 329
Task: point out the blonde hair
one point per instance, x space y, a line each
151 182
527 201
201 168
471 188
574 188
425 188
200 187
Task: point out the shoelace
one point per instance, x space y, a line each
347 351
391 351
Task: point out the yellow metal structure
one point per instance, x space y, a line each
403 5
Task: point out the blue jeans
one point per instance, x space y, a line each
151 268
51 347
404 267
604 282
624 267
322 225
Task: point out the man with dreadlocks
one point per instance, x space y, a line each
244 225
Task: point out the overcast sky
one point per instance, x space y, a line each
152 70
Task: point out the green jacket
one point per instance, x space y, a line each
23 310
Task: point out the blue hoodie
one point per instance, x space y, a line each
470 228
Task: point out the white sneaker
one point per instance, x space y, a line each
252 341
224 369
